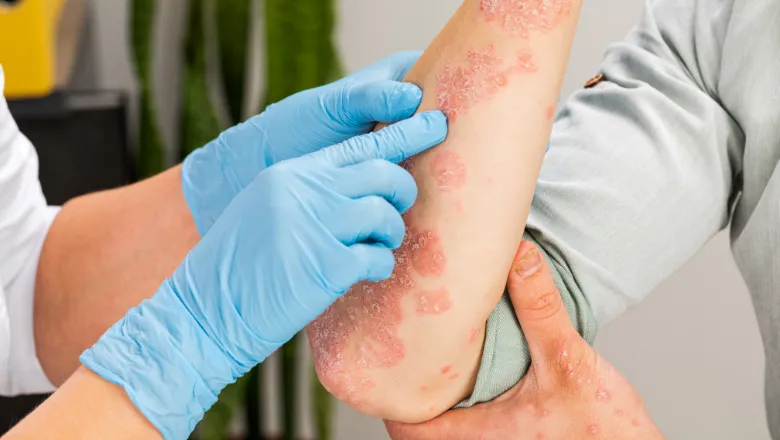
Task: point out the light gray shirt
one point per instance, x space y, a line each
681 140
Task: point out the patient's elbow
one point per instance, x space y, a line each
367 391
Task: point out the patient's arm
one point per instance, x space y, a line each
640 174
409 348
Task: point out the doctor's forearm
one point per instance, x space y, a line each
86 407
104 254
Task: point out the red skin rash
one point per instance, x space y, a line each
550 112
373 312
446 369
461 87
474 335
521 17
433 302
603 395
525 62
427 257
448 170
454 376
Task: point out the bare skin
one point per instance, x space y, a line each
408 349
105 253
86 407
570 392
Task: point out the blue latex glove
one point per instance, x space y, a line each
300 124
287 246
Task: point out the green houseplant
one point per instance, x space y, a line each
300 55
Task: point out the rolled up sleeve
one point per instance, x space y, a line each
639 175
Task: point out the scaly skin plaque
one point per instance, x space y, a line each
373 312
521 17
448 169
459 88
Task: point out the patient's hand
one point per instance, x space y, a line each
570 392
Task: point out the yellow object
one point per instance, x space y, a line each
28 46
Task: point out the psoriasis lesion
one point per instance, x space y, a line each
483 74
359 333
433 302
521 17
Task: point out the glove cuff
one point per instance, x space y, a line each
170 368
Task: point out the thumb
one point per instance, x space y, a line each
394 143
539 307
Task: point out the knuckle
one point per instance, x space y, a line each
572 369
345 113
352 147
543 304
378 139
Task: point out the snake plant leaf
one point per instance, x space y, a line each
217 421
289 365
253 404
323 407
300 55
199 123
233 20
150 152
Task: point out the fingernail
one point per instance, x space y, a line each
408 96
437 120
529 261
413 91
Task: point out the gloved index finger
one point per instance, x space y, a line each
379 101
394 143
378 178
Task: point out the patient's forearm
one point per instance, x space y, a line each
409 348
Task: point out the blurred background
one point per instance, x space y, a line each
151 80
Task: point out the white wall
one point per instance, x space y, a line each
693 349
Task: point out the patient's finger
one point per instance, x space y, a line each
539 307
432 430
456 424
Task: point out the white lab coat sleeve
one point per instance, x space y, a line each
24 222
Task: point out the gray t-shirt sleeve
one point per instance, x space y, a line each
638 177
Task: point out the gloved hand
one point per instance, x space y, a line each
300 124
286 247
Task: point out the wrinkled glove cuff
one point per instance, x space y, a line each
170 368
